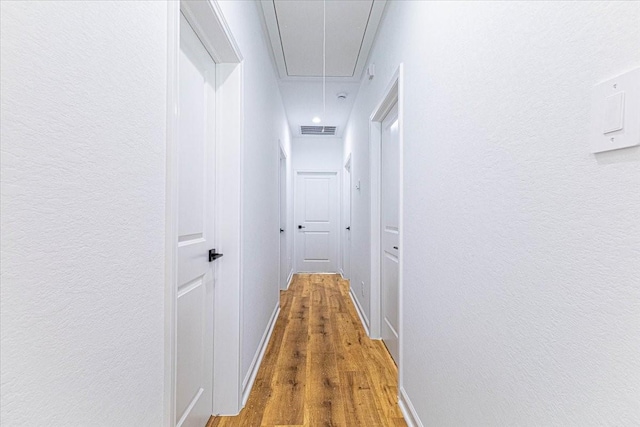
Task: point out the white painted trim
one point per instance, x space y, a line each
227 389
283 153
282 156
297 171
212 29
369 36
273 35
171 213
360 311
291 273
189 408
394 93
247 383
343 222
408 411
401 225
324 273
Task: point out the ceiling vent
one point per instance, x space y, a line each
318 130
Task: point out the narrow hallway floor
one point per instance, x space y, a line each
320 368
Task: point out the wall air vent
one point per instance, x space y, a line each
318 130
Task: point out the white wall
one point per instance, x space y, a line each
264 123
317 153
83 182
521 249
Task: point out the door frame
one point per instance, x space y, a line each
208 22
282 156
346 188
393 94
337 252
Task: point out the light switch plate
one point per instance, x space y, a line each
615 113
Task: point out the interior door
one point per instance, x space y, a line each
284 255
390 203
346 241
317 209
194 334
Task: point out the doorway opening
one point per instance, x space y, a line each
205 81
386 145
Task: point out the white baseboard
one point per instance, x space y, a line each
409 412
361 315
289 279
247 384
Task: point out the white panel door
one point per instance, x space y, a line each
194 335
346 221
316 213
390 203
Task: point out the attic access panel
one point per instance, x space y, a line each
300 25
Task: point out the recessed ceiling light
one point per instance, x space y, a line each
316 120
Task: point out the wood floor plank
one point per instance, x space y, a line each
324 397
320 368
350 357
285 405
360 405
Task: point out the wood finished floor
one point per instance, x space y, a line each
320 368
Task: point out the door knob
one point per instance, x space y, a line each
348 228
282 230
301 227
213 255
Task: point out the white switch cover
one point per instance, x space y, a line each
615 113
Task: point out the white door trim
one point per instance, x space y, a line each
282 155
345 222
209 24
393 94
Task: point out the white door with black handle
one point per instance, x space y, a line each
316 221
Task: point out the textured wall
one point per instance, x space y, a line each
265 123
522 249
83 167
317 153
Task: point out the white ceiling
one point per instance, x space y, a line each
303 102
295 32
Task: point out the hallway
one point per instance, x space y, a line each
320 368
224 213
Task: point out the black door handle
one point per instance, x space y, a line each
213 255
348 228
282 230
301 227
395 247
